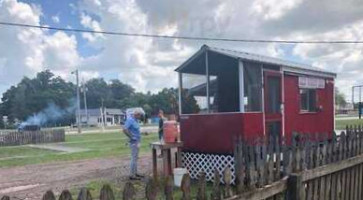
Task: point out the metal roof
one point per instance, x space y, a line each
289 66
97 111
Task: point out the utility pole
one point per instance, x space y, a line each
84 90
78 102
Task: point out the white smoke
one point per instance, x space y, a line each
51 113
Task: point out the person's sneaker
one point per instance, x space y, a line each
134 178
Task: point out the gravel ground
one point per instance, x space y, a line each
32 181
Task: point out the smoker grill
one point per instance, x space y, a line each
29 127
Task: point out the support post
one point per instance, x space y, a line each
295 188
155 165
207 75
180 92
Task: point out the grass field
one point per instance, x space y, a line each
340 124
97 145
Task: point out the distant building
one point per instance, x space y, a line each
344 109
109 116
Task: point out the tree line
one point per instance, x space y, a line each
32 95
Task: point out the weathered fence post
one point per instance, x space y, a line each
201 195
295 188
216 193
168 189
106 193
239 166
128 192
151 189
185 187
49 195
227 178
65 195
84 194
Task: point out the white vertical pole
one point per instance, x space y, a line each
180 92
241 87
207 75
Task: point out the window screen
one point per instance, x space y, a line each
308 100
194 93
252 73
224 90
273 95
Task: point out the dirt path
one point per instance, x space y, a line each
32 181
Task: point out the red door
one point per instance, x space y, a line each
272 103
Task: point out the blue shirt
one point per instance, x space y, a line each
133 127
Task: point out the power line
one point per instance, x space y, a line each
185 37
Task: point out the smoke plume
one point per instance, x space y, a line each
50 114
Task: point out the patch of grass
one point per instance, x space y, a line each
99 145
6 152
95 188
340 124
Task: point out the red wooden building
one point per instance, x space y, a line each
250 95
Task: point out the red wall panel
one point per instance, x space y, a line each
214 133
314 122
253 126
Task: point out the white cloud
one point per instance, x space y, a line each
148 63
24 52
88 22
55 19
273 9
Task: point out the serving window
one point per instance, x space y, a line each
308 100
308 92
211 88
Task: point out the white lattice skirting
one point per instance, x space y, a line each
200 162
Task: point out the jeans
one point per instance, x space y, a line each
161 136
134 157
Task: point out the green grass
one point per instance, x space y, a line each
22 151
95 186
98 145
341 124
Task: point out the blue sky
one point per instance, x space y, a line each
66 12
148 64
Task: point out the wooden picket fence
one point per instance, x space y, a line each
311 166
31 137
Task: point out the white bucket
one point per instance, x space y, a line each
178 175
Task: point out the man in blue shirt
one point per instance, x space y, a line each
132 131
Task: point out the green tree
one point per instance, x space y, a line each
31 96
98 93
339 98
